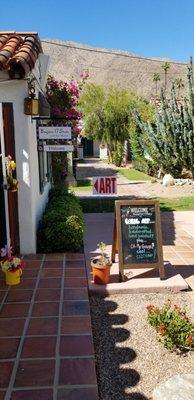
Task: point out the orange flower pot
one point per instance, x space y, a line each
101 273
13 278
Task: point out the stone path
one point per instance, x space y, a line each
94 167
134 189
46 345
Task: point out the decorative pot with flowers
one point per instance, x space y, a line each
101 266
11 266
10 168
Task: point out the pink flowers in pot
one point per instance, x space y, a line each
10 263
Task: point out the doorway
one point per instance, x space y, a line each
8 199
87 147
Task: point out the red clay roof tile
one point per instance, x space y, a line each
19 52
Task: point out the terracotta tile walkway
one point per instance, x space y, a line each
178 249
46 346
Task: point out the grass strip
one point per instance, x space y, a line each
133 174
100 205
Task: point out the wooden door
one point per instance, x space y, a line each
9 141
3 239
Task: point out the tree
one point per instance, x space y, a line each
179 84
106 117
165 67
156 79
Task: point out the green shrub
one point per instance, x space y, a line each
146 166
117 155
172 323
58 192
61 228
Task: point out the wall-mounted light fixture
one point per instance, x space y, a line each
31 104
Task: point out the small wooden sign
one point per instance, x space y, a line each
58 148
54 132
137 236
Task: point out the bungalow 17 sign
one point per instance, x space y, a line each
104 185
54 132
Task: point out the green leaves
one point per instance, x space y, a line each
61 228
172 323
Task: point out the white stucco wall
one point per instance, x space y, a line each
96 148
31 203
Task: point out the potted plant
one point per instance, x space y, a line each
11 266
101 266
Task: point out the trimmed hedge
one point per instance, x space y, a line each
146 166
61 227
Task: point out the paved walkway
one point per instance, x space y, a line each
92 167
178 248
46 345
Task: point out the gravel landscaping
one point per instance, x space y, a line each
130 360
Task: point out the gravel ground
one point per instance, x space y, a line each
130 359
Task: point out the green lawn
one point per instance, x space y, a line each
100 205
133 174
178 204
82 184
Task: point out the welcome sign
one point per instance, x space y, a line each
137 235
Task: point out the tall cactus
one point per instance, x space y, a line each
170 139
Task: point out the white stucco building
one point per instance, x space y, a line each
23 68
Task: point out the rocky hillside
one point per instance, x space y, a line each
106 66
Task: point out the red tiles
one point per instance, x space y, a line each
81 371
35 373
6 369
75 325
11 327
44 294
21 50
38 394
8 347
39 347
45 333
76 346
77 394
43 326
45 309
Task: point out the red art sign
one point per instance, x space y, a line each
105 185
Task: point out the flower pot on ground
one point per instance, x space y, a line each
11 266
13 277
101 266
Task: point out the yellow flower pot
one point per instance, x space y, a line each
13 278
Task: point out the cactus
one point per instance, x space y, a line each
170 139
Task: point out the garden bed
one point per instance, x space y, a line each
130 360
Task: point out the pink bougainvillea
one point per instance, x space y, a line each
63 98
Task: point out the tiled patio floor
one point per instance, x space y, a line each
178 249
46 346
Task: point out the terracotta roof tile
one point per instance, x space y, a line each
18 53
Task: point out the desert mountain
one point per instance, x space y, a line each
69 59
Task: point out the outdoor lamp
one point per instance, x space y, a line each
31 104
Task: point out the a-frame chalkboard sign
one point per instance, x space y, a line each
137 236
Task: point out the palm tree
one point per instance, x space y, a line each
165 67
179 83
156 79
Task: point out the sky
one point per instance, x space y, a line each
150 28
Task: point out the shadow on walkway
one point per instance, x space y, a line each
113 379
